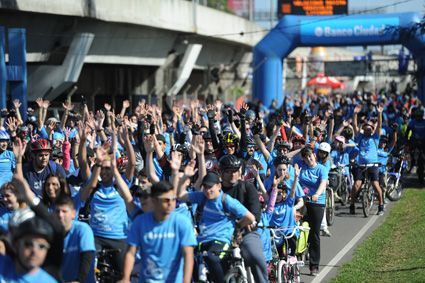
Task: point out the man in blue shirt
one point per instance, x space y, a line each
165 238
368 142
78 248
40 166
217 221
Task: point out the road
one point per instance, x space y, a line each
348 231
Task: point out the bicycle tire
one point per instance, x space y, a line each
394 192
343 193
330 207
367 202
234 276
282 274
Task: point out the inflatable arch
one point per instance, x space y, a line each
295 31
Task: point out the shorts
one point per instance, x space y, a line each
359 173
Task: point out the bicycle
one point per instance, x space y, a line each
367 192
394 185
288 267
330 206
104 270
338 182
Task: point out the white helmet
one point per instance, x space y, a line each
324 146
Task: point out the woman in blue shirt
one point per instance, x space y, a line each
13 201
313 178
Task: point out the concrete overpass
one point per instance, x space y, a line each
115 48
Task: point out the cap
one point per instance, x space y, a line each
160 137
211 179
52 120
340 139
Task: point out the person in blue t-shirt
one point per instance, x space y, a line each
218 214
281 205
109 219
384 152
313 179
166 241
31 238
368 141
12 200
78 248
7 159
40 167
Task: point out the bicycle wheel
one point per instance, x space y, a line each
343 192
235 275
282 274
367 199
393 191
330 207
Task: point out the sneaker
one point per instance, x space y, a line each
380 210
352 209
314 271
326 232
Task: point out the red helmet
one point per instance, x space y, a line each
299 139
41 144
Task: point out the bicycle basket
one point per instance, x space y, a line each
302 240
333 179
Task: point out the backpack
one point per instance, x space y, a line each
196 218
84 212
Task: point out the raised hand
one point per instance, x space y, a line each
199 144
68 106
189 170
67 133
379 108
18 148
210 111
101 154
17 103
107 106
297 170
244 109
125 104
12 124
46 104
149 144
39 102
277 180
176 161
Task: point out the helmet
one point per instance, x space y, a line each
58 136
383 138
183 148
283 144
324 146
207 136
282 159
41 144
24 222
250 115
250 141
230 138
340 139
229 162
4 135
122 163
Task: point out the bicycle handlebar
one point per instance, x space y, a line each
295 228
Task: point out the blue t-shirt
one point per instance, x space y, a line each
79 239
341 158
161 246
108 214
311 177
8 273
283 216
368 148
383 159
265 235
7 166
215 223
5 215
36 179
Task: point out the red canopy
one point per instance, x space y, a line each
323 81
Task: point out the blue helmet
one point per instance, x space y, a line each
4 135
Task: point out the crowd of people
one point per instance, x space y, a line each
158 184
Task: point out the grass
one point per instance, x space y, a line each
395 252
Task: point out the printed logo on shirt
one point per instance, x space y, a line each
153 272
166 235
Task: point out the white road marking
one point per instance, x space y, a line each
345 250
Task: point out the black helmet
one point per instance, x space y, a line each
24 222
229 162
383 138
230 138
283 144
250 141
282 159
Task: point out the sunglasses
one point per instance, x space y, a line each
167 200
40 246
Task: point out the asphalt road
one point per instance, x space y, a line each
348 231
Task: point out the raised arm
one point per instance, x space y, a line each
68 106
261 146
131 165
150 148
85 191
19 151
125 106
199 148
83 130
357 110
379 109
17 104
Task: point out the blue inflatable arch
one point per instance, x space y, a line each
295 31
